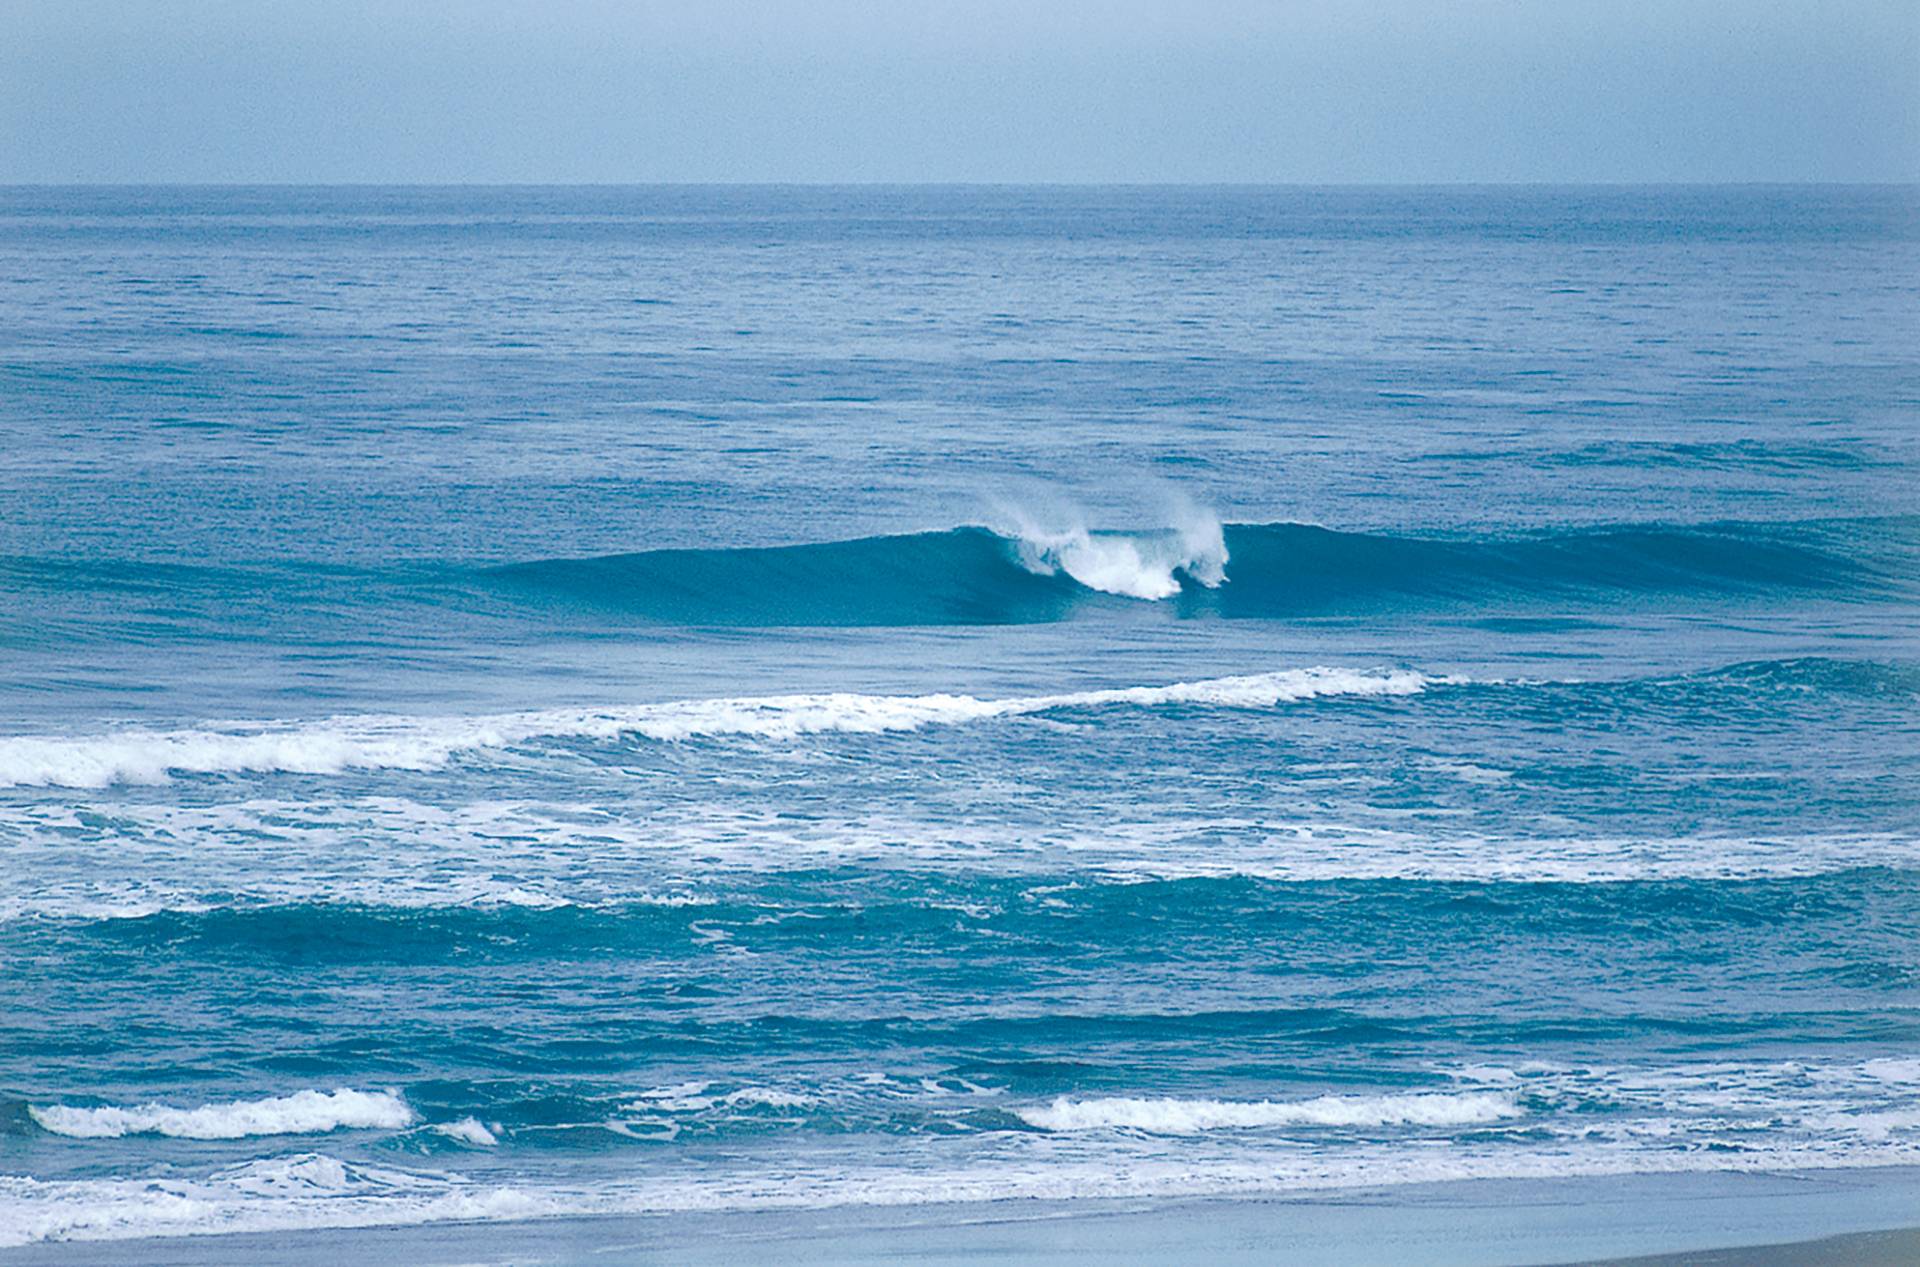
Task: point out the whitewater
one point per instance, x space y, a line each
417 743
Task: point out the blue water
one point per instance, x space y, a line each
526 702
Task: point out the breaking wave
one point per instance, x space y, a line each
333 745
302 1113
1188 1117
1031 574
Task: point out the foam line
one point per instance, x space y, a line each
337 744
1188 1117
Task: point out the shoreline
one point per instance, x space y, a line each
1860 1218
1898 1247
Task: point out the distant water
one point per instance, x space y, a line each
536 701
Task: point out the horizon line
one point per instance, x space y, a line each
1909 183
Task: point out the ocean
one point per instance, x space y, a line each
533 702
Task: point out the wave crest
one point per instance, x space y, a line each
1190 1117
302 1113
1132 565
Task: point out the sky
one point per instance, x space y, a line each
959 90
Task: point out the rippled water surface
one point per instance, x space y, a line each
537 701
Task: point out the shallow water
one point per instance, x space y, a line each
570 701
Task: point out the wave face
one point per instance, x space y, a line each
973 576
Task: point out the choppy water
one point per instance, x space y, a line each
534 701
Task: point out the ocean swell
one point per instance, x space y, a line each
1033 574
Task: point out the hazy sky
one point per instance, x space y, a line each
970 90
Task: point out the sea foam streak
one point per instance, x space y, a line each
1188 1117
332 745
302 1113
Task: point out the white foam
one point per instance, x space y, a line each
1145 566
1188 1117
695 1097
1893 1069
309 1190
1708 1116
468 1130
398 853
368 741
302 1113
314 1191
1784 1104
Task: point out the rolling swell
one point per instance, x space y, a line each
1275 571
966 576
972 576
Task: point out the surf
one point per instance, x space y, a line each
1032 573
307 1112
364 742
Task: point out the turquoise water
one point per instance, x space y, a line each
531 702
